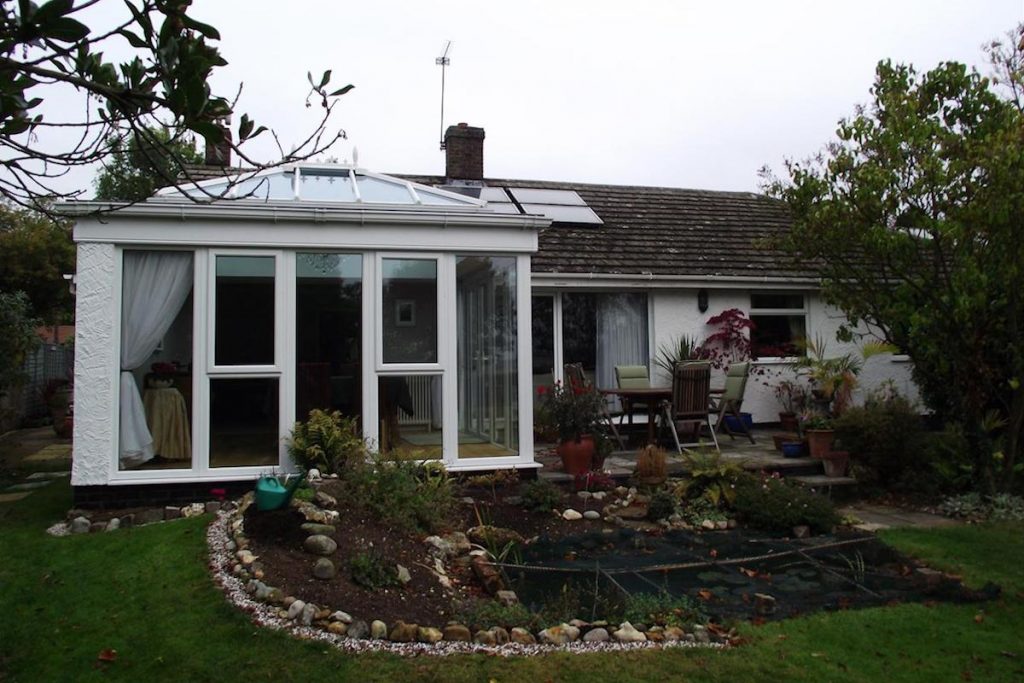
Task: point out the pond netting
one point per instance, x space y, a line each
731 574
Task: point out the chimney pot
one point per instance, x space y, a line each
219 154
464 152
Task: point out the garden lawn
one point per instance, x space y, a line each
146 594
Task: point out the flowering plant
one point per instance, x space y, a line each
815 421
792 394
572 411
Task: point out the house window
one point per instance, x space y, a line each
409 310
780 324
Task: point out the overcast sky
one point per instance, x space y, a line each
675 93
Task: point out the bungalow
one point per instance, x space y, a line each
430 307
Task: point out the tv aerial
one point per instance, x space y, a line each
443 61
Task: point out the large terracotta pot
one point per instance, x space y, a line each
788 422
577 456
819 442
836 463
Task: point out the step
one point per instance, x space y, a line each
818 481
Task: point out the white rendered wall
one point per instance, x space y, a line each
95 365
674 312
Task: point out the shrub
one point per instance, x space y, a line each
328 442
482 614
709 476
662 505
772 504
975 507
411 496
697 510
594 481
663 609
651 463
541 495
884 438
372 572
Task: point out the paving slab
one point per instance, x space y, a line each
13 497
887 516
29 485
57 451
48 475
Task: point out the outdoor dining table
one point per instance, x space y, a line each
652 396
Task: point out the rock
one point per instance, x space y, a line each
707 524
559 635
172 512
439 547
633 512
457 632
325 500
700 634
315 528
337 627
128 521
467 500
324 569
378 630
193 510
403 574
579 623
507 598
655 634
621 490
722 524
592 515
801 531
487 575
80 525
245 557
600 495
628 634
428 634
764 604
318 544
522 636
596 635
571 515
584 494
732 524
358 629
493 536
263 592
485 638
673 633
149 516
514 500
308 612
314 514
313 474
212 506
404 633
343 617
928 577
459 541
295 609
97 527
287 602
322 613
501 636
113 525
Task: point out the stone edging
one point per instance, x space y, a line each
222 562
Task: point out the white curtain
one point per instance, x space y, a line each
621 336
155 286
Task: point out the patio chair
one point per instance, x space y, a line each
730 401
631 377
576 379
691 393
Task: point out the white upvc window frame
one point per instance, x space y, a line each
782 312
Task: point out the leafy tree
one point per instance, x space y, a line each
35 253
914 214
139 168
47 48
17 337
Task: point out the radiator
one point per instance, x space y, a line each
419 388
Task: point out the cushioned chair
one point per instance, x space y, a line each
691 393
730 401
631 377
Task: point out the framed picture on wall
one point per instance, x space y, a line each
405 313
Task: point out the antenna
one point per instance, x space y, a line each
443 61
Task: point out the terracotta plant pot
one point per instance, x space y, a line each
836 463
788 422
819 442
577 456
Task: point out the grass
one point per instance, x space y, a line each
146 594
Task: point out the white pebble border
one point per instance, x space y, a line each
222 559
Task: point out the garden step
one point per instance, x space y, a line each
818 481
786 467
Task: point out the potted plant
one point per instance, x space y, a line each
574 413
792 394
819 433
836 463
833 380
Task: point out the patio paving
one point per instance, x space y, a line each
13 497
57 451
874 517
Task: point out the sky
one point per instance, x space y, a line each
676 93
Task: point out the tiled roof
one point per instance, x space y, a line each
664 232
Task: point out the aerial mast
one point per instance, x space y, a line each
443 61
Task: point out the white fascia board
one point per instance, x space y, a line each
192 231
549 280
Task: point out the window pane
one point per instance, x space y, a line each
579 331
543 340
326 186
487 356
244 422
377 190
776 300
328 338
409 310
777 335
156 431
244 315
410 417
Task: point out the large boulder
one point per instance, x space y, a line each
318 544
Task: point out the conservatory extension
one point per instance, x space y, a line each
204 330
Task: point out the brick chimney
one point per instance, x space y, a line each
220 154
464 152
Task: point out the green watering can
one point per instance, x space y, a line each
272 495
